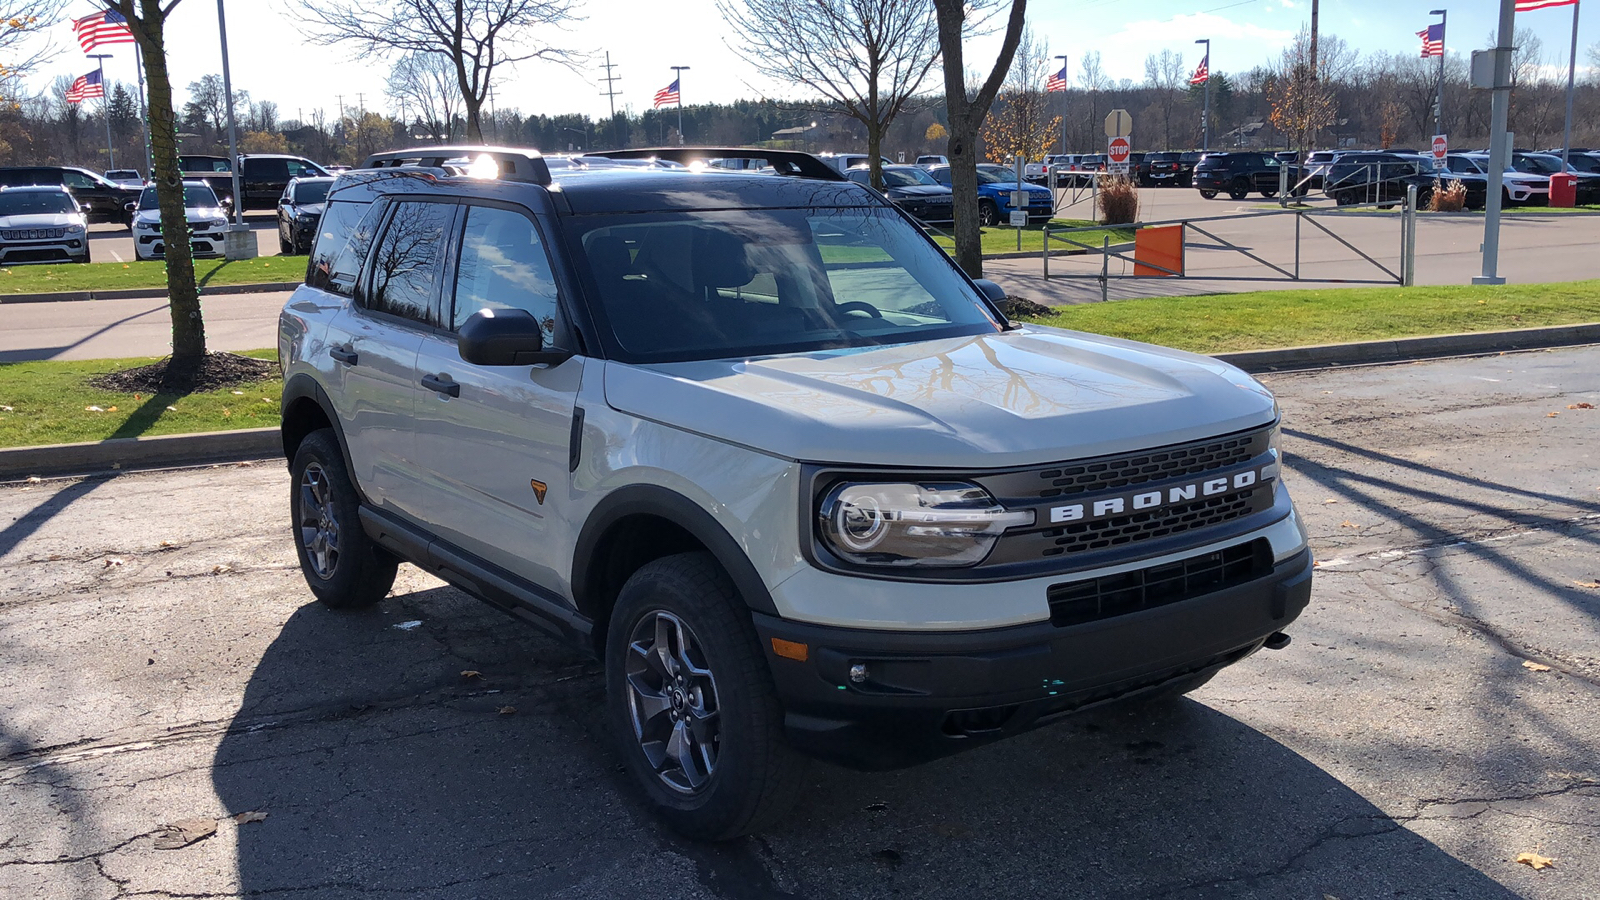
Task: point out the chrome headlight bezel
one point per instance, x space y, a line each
911 523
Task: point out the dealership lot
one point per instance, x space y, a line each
114 243
165 663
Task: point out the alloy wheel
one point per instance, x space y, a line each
673 702
319 525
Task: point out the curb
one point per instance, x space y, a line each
167 451
264 287
1406 349
126 454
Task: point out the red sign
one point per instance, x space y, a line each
1441 146
1118 150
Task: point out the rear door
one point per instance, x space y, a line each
494 442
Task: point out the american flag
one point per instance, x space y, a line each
1432 40
1531 5
1202 72
668 95
86 87
108 27
1058 80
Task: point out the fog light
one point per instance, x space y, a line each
858 673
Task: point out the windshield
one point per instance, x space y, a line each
194 195
124 173
906 177
35 203
1538 165
995 175
717 285
312 191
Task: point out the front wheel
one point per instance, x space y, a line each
1269 194
342 566
988 214
692 702
1239 189
1209 195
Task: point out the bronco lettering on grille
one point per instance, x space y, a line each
1148 500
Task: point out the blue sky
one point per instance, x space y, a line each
270 59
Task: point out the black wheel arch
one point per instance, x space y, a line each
641 523
306 408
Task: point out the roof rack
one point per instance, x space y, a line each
785 162
516 164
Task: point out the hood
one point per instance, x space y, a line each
1013 186
929 191
309 209
1032 396
193 214
41 220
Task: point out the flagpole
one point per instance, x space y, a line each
1438 103
144 114
1205 110
105 107
1063 104
677 79
1572 68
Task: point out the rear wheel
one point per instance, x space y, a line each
1271 193
692 702
342 566
1209 195
988 213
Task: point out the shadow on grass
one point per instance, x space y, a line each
146 416
202 282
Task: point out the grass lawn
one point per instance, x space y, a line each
1218 323
48 403
1002 239
109 276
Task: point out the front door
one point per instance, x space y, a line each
493 441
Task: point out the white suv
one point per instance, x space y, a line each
761 447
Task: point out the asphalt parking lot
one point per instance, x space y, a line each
114 243
1433 718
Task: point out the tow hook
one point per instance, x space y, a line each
1276 641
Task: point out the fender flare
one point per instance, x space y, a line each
654 500
302 386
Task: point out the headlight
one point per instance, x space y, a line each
149 226
905 524
217 223
75 228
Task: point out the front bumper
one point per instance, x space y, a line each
929 695
66 249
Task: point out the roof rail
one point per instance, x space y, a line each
785 162
516 164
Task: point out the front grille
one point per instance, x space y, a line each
33 234
1156 523
1091 476
1109 596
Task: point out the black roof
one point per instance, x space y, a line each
34 188
621 190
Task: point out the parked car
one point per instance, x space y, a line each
40 224
926 161
1239 172
262 177
125 177
1316 167
1588 183
913 190
99 199
1139 167
299 212
1061 169
1516 188
1475 183
995 186
844 162
1375 178
1168 168
206 222
792 478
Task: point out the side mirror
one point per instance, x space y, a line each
995 294
130 206
506 337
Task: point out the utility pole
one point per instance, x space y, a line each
144 116
1499 152
1205 108
1438 103
610 93
105 106
1314 70
238 243
677 79
1572 71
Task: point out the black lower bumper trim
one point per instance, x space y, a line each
930 694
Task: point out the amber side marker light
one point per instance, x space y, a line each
789 649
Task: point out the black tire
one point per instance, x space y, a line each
342 566
988 214
284 247
1209 195
753 776
1239 189
1269 194
1344 198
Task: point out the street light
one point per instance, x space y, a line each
1205 109
1063 59
583 134
677 79
237 242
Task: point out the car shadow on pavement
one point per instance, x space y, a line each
434 748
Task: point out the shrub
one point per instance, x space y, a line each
1119 201
1447 198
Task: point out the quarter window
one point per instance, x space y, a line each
408 260
503 265
344 236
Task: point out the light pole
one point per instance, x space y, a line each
1205 109
583 134
1438 103
105 105
237 243
677 79
1063 59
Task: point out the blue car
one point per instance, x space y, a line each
995 184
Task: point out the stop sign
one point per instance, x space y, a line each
1441 146
1118 150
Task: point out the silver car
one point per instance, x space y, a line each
207 221
41 224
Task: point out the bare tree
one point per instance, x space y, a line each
147 19
1166 73
24 40
426 83
967 111
866 57
1020 123
476 36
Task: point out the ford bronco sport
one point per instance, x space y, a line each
759 446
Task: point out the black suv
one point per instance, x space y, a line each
1383 178
1170 168
262 176
100 199
1239 173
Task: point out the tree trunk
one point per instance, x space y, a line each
474 125
188 327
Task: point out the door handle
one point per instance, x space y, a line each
344 354
441 384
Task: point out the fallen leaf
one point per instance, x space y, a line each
507 710
34 479
111 409
1551 415
167 545
92 409
1587 584
471 673
185 832
137 397
112 561
254 815
1536 862
218 570
1330 500
1532 666
238 393
1569 406
172 409
6 409
1348 524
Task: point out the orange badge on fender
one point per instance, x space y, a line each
539 490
